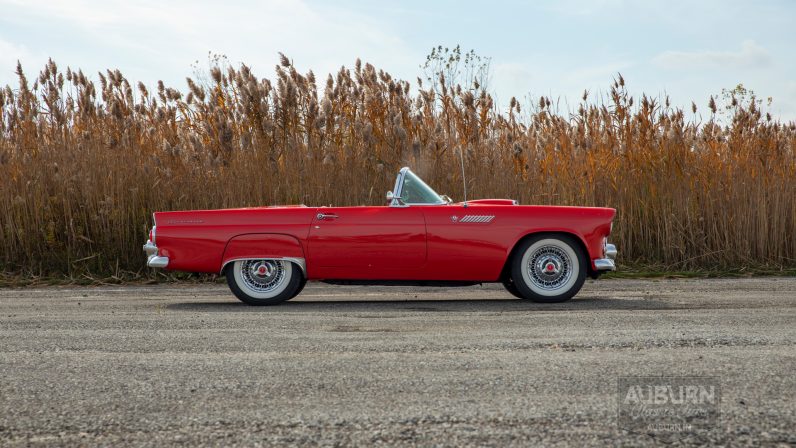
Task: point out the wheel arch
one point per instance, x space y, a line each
505 273
264 246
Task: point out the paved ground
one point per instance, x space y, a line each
340 365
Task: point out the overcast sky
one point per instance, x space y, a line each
688 49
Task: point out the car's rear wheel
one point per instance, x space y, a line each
300 288
263 282
548 268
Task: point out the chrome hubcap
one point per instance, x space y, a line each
549 267
263 275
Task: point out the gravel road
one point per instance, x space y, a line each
339 365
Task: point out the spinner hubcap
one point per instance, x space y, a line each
263 275
549 267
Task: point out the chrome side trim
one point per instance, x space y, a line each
155 261
604 264
299 261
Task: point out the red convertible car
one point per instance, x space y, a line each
540 253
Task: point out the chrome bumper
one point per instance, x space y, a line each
607 263
153 260
604 264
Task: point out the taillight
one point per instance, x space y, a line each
152 234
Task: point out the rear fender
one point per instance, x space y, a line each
261 246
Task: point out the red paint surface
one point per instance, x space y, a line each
261 245
375 243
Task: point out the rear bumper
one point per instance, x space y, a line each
604 264
607 263
153 259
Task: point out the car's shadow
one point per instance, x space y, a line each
423 305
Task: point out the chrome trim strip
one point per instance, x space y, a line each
155 261
610 251
477 218
299 261
604 264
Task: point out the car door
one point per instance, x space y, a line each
367 242
465 243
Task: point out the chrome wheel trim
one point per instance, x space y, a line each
263 279
550 267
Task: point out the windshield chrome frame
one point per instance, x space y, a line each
398 190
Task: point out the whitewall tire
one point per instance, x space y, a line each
549 268
264 282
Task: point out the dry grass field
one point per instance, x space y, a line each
83 163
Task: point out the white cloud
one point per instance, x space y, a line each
751 55
151 40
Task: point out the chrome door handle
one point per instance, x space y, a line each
326 216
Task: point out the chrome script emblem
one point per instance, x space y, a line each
185 221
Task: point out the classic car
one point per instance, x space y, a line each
539 253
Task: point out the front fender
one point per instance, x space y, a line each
264 246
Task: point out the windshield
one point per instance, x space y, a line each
415 191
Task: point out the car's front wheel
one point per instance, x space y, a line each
264 282
549 268
508 283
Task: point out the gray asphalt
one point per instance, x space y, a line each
190 365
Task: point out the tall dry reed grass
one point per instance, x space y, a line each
84 164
